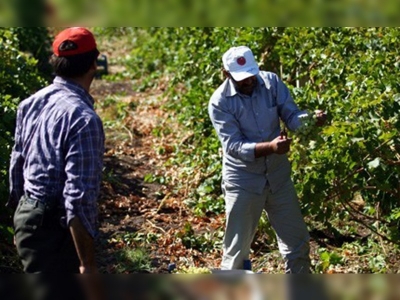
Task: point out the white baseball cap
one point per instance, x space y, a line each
240 63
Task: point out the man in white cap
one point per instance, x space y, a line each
246 111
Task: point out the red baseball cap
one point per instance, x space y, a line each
81 41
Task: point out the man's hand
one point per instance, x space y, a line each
321 117
281 144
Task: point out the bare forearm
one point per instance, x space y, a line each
263 149
279 145
84 245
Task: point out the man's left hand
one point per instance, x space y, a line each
321 117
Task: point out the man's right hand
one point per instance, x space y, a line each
281 144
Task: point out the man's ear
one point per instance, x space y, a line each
94 65
226 73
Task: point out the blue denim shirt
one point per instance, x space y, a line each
242 121
58 151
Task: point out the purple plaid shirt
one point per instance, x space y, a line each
58 151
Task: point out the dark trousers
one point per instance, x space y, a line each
43 244
46 249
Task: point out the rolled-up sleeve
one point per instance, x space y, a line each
289 111
84 153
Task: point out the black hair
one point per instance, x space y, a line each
74 65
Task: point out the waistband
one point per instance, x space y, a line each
50 209
39 203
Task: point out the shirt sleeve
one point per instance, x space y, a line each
228 130
16 177
289 111
83 167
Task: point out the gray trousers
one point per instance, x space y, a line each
243 212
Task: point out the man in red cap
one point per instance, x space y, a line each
56 163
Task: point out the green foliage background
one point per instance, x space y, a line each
22 50
198 13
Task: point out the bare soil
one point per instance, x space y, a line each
128 204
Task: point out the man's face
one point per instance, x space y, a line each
245 86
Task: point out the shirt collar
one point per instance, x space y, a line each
231 90
76 88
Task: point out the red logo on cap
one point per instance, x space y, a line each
241 61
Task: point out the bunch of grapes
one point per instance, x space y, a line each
305 139
305 133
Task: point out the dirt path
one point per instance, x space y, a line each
124 194
135 214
